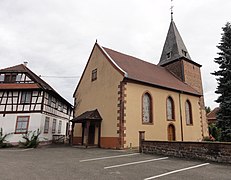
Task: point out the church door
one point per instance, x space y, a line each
91 135
171 133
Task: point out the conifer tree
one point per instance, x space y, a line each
224 84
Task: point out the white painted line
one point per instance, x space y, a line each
108 157
16 150
137 162
176 171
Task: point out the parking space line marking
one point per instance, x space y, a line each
108 157
137 162
176 171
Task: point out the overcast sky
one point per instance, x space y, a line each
57 36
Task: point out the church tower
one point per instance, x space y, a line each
175 58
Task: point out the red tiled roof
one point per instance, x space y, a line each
19 86
145 72
212 115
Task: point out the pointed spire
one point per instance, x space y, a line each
174 47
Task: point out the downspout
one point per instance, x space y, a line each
181 123
121 123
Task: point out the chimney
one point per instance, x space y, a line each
25 63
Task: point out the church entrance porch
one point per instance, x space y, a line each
91 128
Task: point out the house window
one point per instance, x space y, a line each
54 126
168 55
46 125
2 77
188 113
147 108
22 124
170 109
49 100
60 127
171 133
10 78
94 75
26 97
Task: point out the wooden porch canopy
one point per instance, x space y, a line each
86 119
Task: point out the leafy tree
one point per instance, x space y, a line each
224 84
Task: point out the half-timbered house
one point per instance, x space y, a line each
28 103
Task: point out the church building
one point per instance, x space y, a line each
119 95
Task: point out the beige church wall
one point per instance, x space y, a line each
101 94
159 129
192 132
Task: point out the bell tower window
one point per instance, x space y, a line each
168 55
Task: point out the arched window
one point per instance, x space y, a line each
147 108
170 109
171 132
188 113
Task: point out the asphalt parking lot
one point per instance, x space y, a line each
93 163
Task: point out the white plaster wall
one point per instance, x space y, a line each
8 124
36 121
48 136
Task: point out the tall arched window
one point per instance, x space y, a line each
171 132
170 109
147 108
188 113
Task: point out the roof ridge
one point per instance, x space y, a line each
8 68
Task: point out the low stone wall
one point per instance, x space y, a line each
210 151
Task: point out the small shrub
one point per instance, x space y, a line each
31 140
3 142
215 132
206 138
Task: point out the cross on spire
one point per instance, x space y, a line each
171 10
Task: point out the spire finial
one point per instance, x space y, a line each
171 10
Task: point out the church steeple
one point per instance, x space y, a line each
174 47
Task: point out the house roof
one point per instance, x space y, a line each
21 68
139 70
88 115
212 115
39 83
174 47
